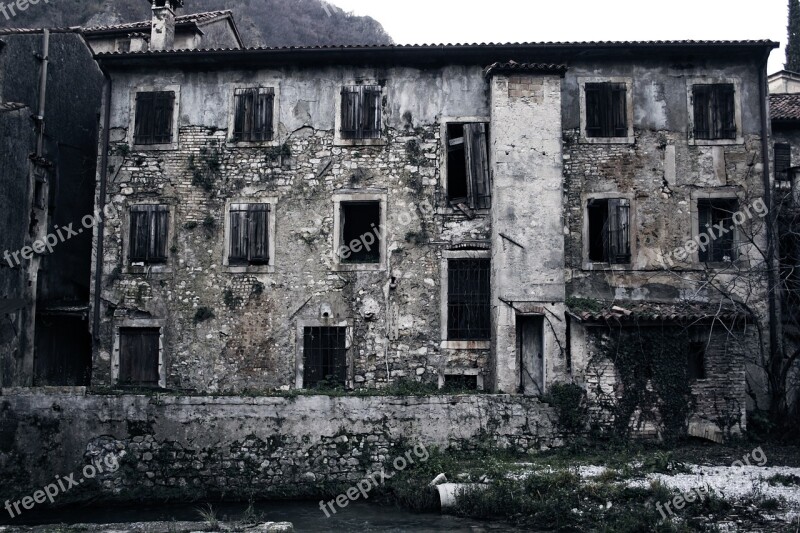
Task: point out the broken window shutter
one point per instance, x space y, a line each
138 235
159 221
143 131
593 110
619 225
258 215
371 114
619 110
701 112
238 234
266 102
478 165
783 161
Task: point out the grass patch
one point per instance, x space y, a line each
785 480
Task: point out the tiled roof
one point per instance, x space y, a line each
634 311
784 106
197 18
530 45
512 66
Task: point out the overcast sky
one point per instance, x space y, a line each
452 21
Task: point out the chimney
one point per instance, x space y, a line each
162 34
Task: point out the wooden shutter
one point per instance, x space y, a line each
618 231
139 234
154 117
351 117
725 110
361 112
254 109
159 216
594 124
258 238
702 111
783 161
618 123
164 105
477 154
149 231
371 114
238 234
143 132
138 356
606 110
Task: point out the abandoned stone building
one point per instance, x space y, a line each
494 217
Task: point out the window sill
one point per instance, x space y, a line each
154 147
148 269
360 142
452 211
465 345
592 266
716 142
359 267
252 144
608 140
249 269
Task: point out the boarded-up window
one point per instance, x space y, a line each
361 112
468 165
606 110
324 356
783 161
149 230
468 299
609 230
154 117
138 356
696 361
253 117
249 234
716 215
361 232
714 111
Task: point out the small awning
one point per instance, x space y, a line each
619 311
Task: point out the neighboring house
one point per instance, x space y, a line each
490 216
48 143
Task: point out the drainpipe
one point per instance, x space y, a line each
101 204
772 275
43 92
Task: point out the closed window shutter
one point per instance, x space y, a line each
139 356
606 110
783 161
714 111
619 110
594 126
154 113
143 131
258 239
618 239
350 113
254 114
238 234
702 112
160 217
138 235
477 154
149 231
361 112
371 103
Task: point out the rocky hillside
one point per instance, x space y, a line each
261 22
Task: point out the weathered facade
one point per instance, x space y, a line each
50 93
359 216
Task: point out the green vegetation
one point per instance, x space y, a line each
569 401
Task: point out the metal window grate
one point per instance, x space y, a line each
154 117
324 356
717 213
468 299
714 111
361 112
254 114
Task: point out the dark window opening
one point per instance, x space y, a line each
138 357
63 356
460 382
123 45
468 165
148 233
468 299
249 234
783 161
712 215
361 232
361 112
714 111
154 117
609 231
254 114
606 110
324 356
696 361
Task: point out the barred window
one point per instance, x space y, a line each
361 112
717 213
714 111
468 165
468 299
249 234
138 356
253 117
606 110
609 231
154 117
149 228
324 356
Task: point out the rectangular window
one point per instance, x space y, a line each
154 117
606 110
468 165
249 234
459 383
696 361
361 112
712 215
149 230
361 232
609 231
714 111
138 356
468 299
783 161
324 356
123 45
253 117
